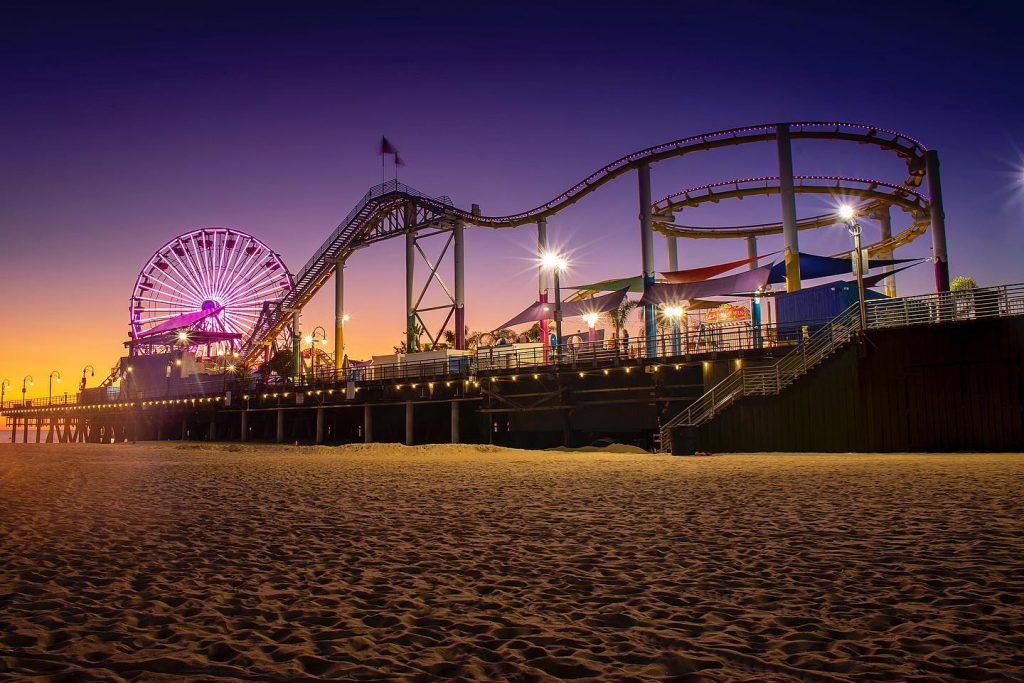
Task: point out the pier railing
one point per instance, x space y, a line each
805 345
772 378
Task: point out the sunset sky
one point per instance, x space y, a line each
124 125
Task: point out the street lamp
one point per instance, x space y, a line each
591 320
849 216
556 263
313 340
674 314
4 386
29 382
55 373
92 373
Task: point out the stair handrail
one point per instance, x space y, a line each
920 309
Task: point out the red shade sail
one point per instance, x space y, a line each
681 277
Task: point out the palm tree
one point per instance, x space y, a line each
620 316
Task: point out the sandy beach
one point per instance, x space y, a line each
387 563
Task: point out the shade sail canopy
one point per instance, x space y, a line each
702 304
875 280
869 281
679 277
545 310
812 266
632 284
672 294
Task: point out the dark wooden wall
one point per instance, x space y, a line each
952 387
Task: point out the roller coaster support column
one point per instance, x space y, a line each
339 317
410 423
647 246
673 252
296 347
755 303
788 195
938 222
410 275
885 225
460 285
542 285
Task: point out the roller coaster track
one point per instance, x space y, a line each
380 204
878 194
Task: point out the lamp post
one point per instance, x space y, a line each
228 366
313 340
849 216
674 314
591 320
4 386
26 382
92 373
556 263
54 373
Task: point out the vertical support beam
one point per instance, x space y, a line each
367 423
460 285
671 243
755 303
319 425
410 423
647 256
455 422
296 348
543 279
245 425
184 429
410 278
38 428
24 429
752 252
14 430
339 316
938 221
788 196
885 230
280 425
213 427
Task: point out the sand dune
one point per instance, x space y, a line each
386 563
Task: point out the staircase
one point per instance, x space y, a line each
767 380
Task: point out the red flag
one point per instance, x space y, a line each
398 160
386 147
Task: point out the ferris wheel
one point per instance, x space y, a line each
213 281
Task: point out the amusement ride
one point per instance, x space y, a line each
215 292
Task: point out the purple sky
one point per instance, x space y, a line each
123 126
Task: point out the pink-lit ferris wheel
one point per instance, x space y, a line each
208 284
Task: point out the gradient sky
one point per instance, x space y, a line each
124 124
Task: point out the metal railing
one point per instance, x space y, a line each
62 400
924 309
